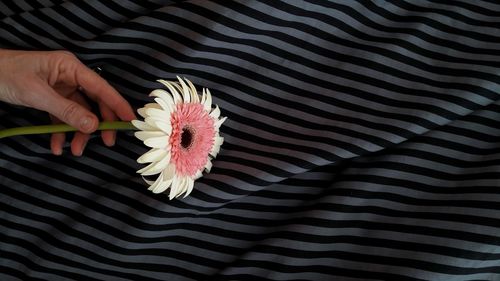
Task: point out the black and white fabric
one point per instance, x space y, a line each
363 143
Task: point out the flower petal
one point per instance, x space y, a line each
144 135
169 172
208 166
164 82
184 186
151 121
164 126
158 113
169 108
176 97
194 93
162 186
189 188
186 96
157 142
219 122
165 97
155 183
142 111
156 167
181 187
215 112
141 125
147 168
216 146
175 186
153 155
177 86
148 181
203 96
207 105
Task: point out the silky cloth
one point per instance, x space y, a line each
362 143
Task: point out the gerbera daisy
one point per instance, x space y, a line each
182 130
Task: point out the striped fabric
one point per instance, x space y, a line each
363 143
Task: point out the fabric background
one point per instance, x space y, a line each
363 143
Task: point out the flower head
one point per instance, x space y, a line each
182 130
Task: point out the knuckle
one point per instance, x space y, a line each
24 100
63 56
64 53
21 99
70 111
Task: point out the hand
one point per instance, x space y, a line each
55 82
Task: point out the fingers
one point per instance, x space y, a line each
79 141
57 139
108 137
111 104
68 111
100 91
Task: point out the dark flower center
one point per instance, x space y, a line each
187 137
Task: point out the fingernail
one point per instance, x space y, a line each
86 124
81 151
111 143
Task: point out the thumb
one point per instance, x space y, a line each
69 112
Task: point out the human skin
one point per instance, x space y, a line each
56 82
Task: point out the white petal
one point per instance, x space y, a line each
162 186
154 183
159 119
179 91
147 168
198 174
175 186
215 151
219 123
190 185
181 187
203 96
207 105
186 96
216 146
156 167
141 125
153 155
157 142
178 87
151 105
144 135
187 183
166 127
208 166
142 111
194 92
158 113
169 108
176 97
163 96
164 82
215 113
151 121
148 181
218 140
169 172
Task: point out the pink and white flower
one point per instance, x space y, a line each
182 130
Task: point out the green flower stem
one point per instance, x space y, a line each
59 128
